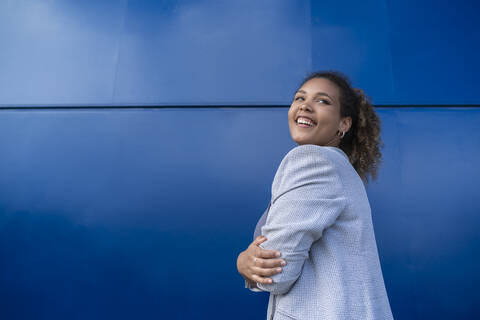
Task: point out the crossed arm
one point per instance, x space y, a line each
307 198
256 264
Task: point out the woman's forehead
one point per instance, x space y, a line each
319 84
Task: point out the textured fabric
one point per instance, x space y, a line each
260 223
319 218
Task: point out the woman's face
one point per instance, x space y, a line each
314 116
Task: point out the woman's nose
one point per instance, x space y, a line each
304 107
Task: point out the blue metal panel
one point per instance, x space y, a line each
213 52
153 52
59 52
426 214
353 36
184 52
435 47
131 214
141 213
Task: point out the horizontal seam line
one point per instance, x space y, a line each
60 107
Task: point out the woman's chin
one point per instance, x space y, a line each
302 140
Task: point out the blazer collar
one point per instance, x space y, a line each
338 150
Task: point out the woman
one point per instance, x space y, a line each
319 217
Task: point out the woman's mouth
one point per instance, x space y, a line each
304 122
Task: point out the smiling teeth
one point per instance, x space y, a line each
304 121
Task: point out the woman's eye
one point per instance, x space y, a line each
323 101
298 98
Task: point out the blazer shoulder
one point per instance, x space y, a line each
309 153
303 165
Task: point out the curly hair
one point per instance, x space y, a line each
362 142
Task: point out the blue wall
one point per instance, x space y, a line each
140 212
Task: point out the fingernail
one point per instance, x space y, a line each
278 254
269 280
279 269
283 263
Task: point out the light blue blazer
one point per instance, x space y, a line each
319 218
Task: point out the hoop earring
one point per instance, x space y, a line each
342 135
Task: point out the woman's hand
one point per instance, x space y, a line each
255 264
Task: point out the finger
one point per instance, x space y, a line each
265 272
258 240
269 263
261 279
267 254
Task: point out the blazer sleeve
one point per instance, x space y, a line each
307 198
251 288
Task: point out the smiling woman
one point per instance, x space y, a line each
339 116
317 254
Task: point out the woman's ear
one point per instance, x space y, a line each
345 124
